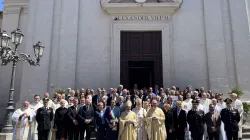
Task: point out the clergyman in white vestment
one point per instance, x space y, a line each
237 104
219 106
35 105
23 118
141 114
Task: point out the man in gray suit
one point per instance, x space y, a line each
120 104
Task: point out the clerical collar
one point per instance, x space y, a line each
196 109
25 108
230 108
128 111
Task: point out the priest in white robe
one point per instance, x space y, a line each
141 114
219 106
23 118
237 104
35 105
205 101
188 101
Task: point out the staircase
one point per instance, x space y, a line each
246 132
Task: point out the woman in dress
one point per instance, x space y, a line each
60 121
100 122
141 113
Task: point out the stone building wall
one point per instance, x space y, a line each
208 44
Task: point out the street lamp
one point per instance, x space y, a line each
8 55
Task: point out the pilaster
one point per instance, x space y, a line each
215 47
68 43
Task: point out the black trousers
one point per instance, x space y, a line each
170 136
88 130
73 133
179 133
232 135
196 135
214 136
100 134
43 134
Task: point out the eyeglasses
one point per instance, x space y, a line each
219 99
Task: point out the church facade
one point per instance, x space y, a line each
104 43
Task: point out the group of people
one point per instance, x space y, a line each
119 114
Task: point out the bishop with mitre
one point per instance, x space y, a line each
155 123
23 118
128 124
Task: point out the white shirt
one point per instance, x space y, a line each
35 106
237 104
219 107
205 102
189 103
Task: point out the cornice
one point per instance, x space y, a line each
14 6
165 8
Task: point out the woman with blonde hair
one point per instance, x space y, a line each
60 121
169 121
141 113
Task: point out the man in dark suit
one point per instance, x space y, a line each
113 96
85 119
133 98
44 116
213 123
195 119
73 129
180 121
97 98
230 117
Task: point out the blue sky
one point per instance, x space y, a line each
1 5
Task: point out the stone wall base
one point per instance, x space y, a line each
6 136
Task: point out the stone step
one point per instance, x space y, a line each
246 135
246 129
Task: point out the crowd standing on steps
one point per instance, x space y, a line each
119 114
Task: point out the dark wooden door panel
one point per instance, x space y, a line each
141 46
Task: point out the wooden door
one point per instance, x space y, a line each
141 46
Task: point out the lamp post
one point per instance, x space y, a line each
8 55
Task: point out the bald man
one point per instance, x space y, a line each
155 121
23 118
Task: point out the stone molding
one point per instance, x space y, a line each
166 8
118 26
14 6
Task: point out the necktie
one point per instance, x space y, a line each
213 119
